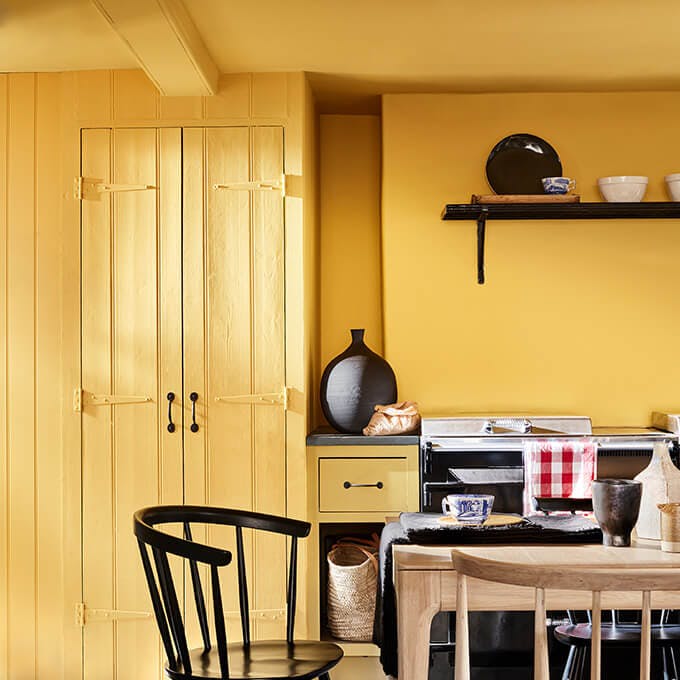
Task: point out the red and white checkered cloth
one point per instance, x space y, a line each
558 468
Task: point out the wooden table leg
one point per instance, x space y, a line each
418 600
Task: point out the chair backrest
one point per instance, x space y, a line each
594 568
163 592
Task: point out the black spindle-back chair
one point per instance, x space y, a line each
271 659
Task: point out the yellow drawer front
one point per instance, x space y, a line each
386 480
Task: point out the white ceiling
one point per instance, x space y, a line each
58 35
355 49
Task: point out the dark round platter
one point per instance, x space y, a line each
518 162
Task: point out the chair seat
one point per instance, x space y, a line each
268 659
621 634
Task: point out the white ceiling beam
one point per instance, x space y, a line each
166 43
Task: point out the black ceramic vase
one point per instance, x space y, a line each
353 383
616 503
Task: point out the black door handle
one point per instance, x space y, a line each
194 398
171 398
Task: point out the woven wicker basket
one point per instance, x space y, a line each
352 585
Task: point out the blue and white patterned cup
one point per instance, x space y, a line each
558 185
468 507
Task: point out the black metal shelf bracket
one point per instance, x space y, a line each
555 211
481 235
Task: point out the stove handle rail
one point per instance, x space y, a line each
608 445
439 486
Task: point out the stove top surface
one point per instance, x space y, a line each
530 425
505 424
608 431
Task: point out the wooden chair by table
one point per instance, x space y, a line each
615 634
524 567
254 660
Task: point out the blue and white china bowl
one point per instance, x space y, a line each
468 507
558 185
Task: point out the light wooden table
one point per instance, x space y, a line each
425 583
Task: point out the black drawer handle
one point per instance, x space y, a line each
349 485
171 398
194 398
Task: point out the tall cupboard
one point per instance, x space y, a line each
183 362
121 319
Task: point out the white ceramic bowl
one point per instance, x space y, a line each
623 188
673 186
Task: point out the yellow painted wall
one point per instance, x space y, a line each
40 119
576 316
351 295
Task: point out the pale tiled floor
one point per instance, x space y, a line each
358 668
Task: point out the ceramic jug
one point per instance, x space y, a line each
670 527
660 484
353 383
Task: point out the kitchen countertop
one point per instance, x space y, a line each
326 436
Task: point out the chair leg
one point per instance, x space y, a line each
673 664
571 670
575 670
569 665
583 667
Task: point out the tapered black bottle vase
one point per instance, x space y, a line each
353 383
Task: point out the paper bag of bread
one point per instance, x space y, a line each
400 418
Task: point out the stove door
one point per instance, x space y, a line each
497 472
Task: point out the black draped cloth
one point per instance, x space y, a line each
424 528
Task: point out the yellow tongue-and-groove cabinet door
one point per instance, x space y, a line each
131 359
234 347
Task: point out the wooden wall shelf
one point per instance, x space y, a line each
558 211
